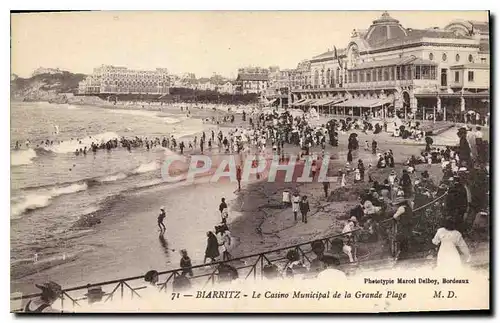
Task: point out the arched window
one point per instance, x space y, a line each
471 58
444 57
328 77
316 77
431 56
457 58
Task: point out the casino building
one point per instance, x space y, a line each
433 73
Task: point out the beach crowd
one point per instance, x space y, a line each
398 200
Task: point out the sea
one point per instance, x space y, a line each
53 191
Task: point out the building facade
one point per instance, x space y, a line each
226 88
252 80
108 79
389 68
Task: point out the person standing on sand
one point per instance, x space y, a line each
326 186
374 147
223 210
314 168
161 217
304 208
238 176
295 204
181 147
212 251
361 168
349 156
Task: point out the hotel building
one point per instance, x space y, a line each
389 68
252 80
108 79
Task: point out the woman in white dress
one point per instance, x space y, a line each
450 241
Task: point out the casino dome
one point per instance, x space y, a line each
383 29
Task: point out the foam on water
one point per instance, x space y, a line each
22 157
42 198
148 167
71 145
112 178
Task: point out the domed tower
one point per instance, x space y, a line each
383 29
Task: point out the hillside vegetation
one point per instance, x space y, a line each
45 87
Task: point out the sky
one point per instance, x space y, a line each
200 42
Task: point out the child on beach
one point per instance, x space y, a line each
186 263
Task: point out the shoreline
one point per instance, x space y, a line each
263 226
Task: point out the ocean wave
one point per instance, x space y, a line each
145 168
22 157
112 178
41 199
71 145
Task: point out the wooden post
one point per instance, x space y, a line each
434 114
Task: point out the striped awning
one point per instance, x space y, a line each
298 102
306 102
321 102
364 103
333 101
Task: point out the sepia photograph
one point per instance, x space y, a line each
250 162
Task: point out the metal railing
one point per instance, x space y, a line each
253 266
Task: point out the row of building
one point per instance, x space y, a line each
388 67
382 69
108 79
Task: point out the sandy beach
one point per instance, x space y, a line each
130 245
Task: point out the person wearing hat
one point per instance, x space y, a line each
349 242
403 226
161 217
151 277
51 291
186 263
223 210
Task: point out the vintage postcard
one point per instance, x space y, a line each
237 161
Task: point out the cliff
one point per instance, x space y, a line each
45 87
